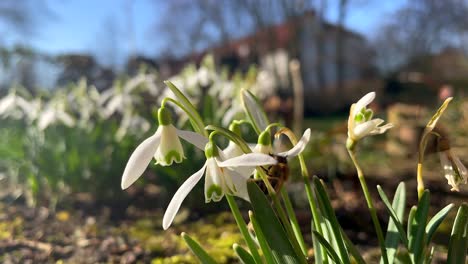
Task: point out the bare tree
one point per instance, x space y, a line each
422 27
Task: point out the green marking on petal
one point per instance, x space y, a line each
214 192
359 117
368 114
172 156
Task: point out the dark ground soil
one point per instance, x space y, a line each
90 233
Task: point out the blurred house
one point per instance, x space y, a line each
314 43
421 80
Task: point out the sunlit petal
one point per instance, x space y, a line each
249 160
299 147
139 160
196 139
179 197
241 185
381 130
363 102
364 129
170 149
214 182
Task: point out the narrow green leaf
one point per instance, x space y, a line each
261 239
394 221
458 245
254 111
398 208
330 217
417 242
352 249
318 254
274 233
197 250
331 252
411 214
436 221
188 105
243 255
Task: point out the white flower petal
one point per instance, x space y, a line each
215 184
7 102
460 166
299 147
179 197
170 148
249 160
241 186
363 102
196 139
232 150
363 129
140 159
381 130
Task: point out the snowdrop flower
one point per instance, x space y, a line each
360 122
54 113
15 106
221 177
264 145
454 170
164 146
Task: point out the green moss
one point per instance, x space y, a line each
169 247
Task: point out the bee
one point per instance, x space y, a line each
277 174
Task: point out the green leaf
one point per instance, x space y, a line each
396 211
395 222
331 252
261 239
417 242
352 249
318 254
458 245
270 226
411 214
243 255
197 250
254 111
436 221
197 121
330 219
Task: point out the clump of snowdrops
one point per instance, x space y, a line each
238 170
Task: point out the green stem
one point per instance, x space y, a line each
198 125
292 217
189 108
370 206
243 229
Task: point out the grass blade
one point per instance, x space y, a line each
274 233
330 217
394 224
197 250
398 207
436 221
352 249
458 244
261 239
331 252
243 255
417 243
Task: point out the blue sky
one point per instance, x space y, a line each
83 25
